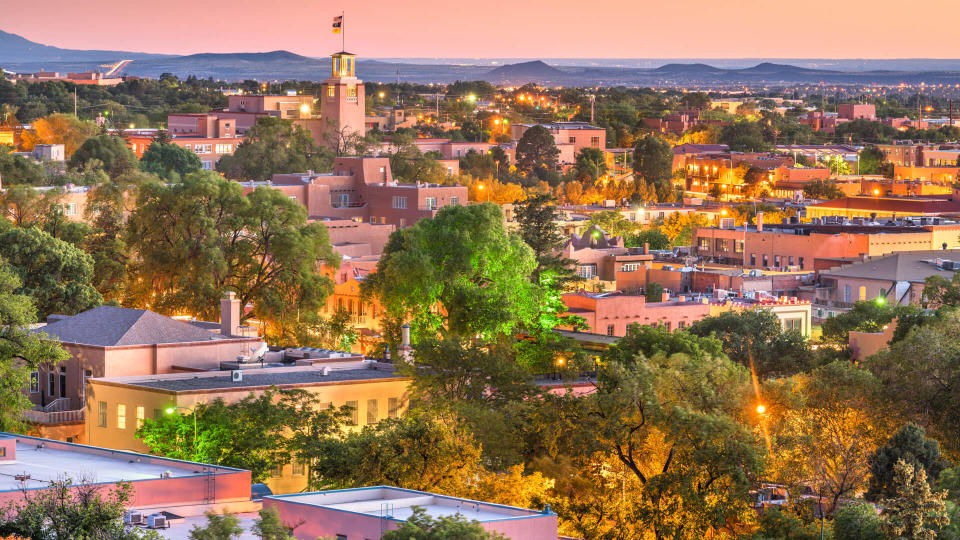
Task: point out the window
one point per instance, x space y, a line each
34 382
630 267
102 414
403 222
790 260
354 413
400 203
224 148
863 293
882 293
722 244
340 200
206 165
595 142
393 407
202 148
351 92
63 381
140 413
298 467
341 537
667 325
587 271
373 414
703 243
571 140
331 91
51 384
753 259
793 324
738 246
846 293
70 209
610 330
277 471
431 203
121 416
681 324
800 261
776 261
765 259
454 200
3 451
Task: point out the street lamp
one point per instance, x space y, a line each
193 411
480 187
761 409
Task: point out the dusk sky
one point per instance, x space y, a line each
497 28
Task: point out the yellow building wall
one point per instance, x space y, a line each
154 402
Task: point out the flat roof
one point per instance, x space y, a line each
256 377
397 504
47 460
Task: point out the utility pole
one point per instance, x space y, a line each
593 99
951 112
75 100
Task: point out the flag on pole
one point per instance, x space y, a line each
337 24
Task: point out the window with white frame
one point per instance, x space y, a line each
587 271
630 267
431 203
400 203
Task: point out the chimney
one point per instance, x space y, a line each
406 351
405 335
230 314
646 248
759 221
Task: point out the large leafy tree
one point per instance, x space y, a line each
193 241
16 169
170 161
653 164
54 273
256 433
67 510
460 273
757 340
275 146
112 152
591 164
664 430
909 445
744 136
64 129
913 511
21 351
536 149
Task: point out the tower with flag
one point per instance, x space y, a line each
342 95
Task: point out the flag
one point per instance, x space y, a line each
337 24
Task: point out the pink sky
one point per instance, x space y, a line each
498 28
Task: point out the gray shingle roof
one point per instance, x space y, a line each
266 377
110 326
900 266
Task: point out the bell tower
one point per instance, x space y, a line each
342 100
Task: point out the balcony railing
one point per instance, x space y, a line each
56 417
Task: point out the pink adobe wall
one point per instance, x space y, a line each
8 449
317 522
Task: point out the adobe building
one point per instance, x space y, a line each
579 135
363 513
885 207
342 100
158 484
611 313
117 406
109 341
796 246
598 255
363 189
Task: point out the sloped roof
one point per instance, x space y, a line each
901 266
110 326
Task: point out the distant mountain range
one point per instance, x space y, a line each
19 54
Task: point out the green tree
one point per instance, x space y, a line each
939 291
871 159
218 527
16 170
27 207
743 136
591 164
65 510
422 526
275 146
193 241
253 433
653 163
55 274
112 152
859 521
822 189
536 149
414 452
757 340
782 524
911 446
613 223
869 316
464 262
169 161
913 507
654 237
269 526
653 292
21 351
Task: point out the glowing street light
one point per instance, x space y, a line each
381 94
761 409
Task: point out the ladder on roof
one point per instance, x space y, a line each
386 512
210 493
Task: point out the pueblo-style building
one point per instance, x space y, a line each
362 189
